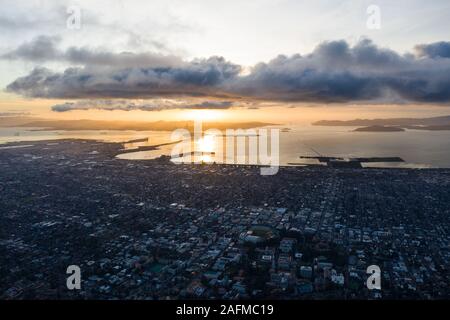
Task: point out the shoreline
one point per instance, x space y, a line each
118 150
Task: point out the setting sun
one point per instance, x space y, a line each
203 115
206 144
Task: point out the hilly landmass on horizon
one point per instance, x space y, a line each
391 125
45 124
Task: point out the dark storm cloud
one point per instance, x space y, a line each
211 105
336 72
128 105
45 49
434 50
197 78
39 49
333 72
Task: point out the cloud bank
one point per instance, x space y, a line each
197 78
45 49
143 105
434 50
334 72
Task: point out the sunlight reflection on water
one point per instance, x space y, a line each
420 149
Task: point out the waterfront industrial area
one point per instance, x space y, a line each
151 229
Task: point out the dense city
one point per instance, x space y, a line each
151 229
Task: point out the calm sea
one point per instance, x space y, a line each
419 149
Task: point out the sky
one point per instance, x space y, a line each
172 55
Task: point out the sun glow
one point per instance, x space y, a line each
206 144
203 115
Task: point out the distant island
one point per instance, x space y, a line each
390 125
379 129
429 128
70 125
